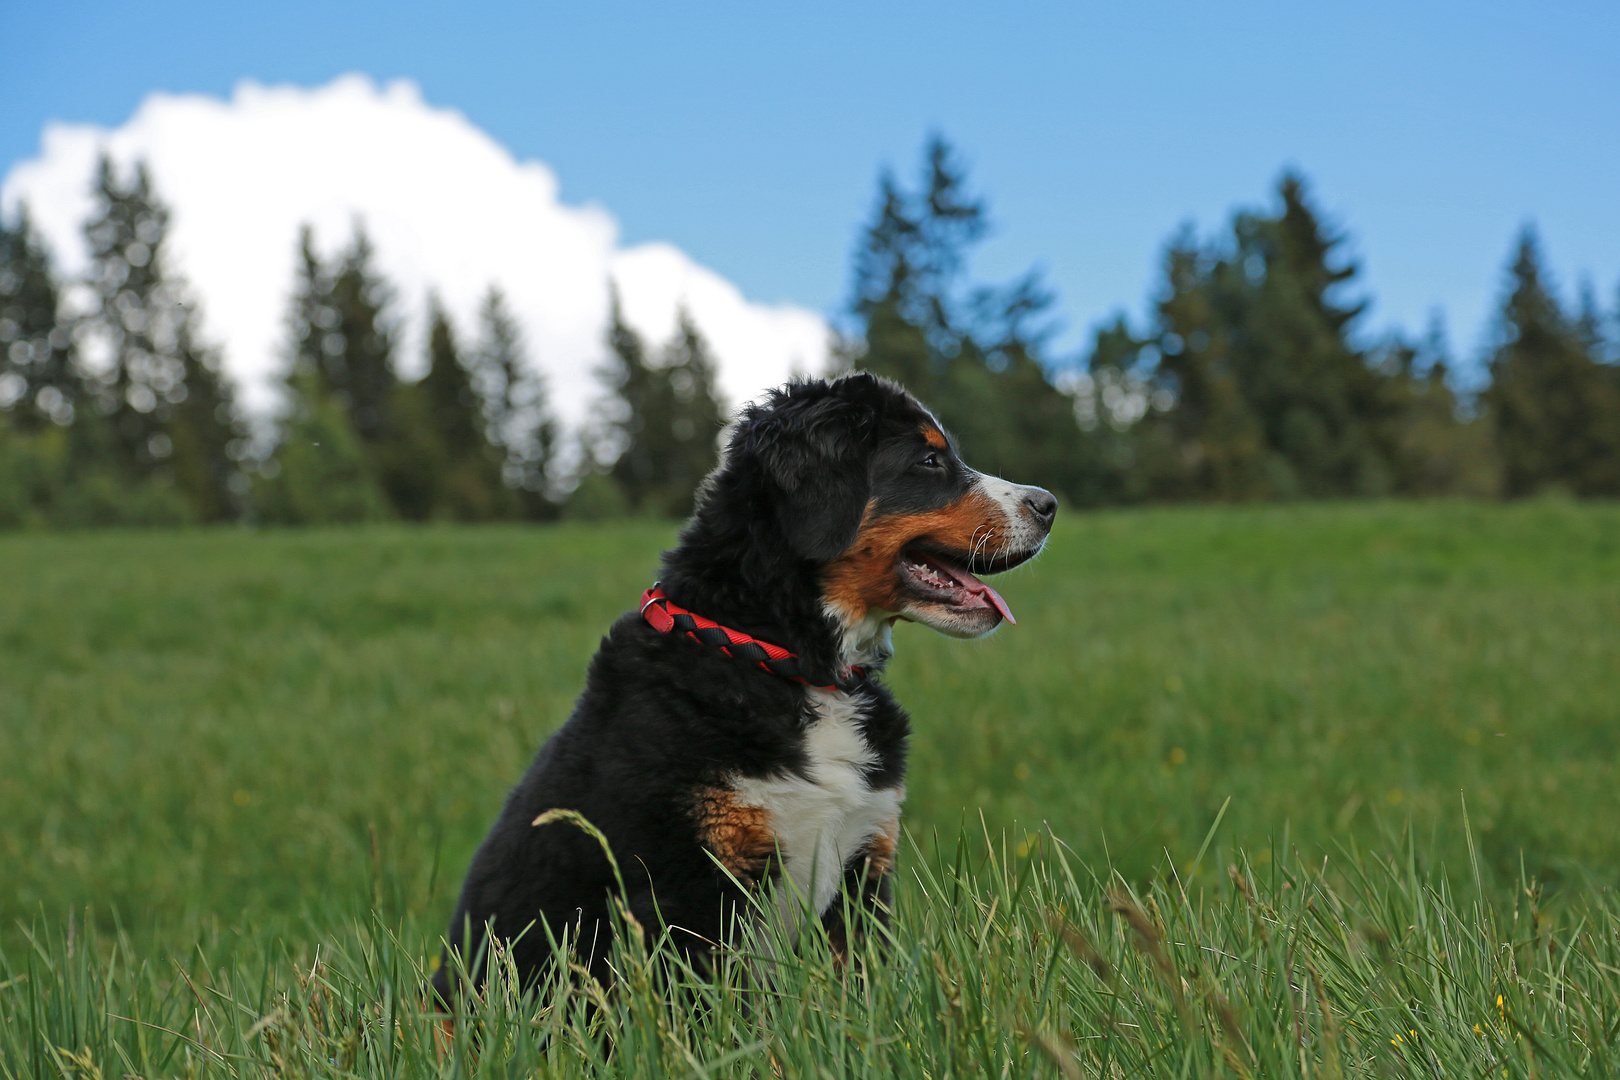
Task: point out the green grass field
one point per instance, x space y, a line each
241 774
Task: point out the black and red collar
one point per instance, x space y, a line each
666 617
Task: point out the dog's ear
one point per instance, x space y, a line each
817 455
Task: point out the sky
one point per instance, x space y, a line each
745 139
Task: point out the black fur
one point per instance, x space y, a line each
662 716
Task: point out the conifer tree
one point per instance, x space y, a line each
1217 443
146 323
469 484
1555 408
39 376
319 471
357 349
693 417
1438 451
1324 411
974 355
520 422
668 416
630 381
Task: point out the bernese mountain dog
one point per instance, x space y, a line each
732 735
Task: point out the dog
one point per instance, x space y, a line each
733 736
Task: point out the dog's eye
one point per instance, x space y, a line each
932 462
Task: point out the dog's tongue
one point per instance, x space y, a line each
977 588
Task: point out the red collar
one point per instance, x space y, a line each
665 617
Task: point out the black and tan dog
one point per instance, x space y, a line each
734 720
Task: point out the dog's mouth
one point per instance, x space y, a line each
934 577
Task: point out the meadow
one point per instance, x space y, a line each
1291 790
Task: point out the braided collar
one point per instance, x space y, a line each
665 617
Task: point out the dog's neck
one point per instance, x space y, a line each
722 571
866 642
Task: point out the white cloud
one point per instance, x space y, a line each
447 207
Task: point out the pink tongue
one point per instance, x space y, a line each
979 588
1001 605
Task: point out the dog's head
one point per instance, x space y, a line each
864 485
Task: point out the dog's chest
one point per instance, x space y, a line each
828 813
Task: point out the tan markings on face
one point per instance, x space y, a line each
739 836
934 437
865 576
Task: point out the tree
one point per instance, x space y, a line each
357 347
1555 408
1437 449
40 381
1217 444
974 355
692 416
145 323
1324 411
668 418
1272 398
520 422
319 471
468 484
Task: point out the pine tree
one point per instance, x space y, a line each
1555 408
1272 396
520 422
146 323
132 320
469 483
973 355
906 276
319 471
357 347
1437 449
693 417
1217 445
668 416
39 375
1323 409
631 384
206 437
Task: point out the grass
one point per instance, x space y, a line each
240 775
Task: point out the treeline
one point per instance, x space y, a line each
1250 379
113 410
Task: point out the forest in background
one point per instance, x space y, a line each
1250 379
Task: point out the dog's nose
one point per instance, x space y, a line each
1042 504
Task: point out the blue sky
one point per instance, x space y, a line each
750 135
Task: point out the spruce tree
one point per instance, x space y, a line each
631 384
1218 448
132 317
520 422
468 483
1324 411
146 323
357 347
206 436
319 470
689 428
973 354
319 473
1273 398
668 416
1437 449
1555 408
39 377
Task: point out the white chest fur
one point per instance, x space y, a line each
825 815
